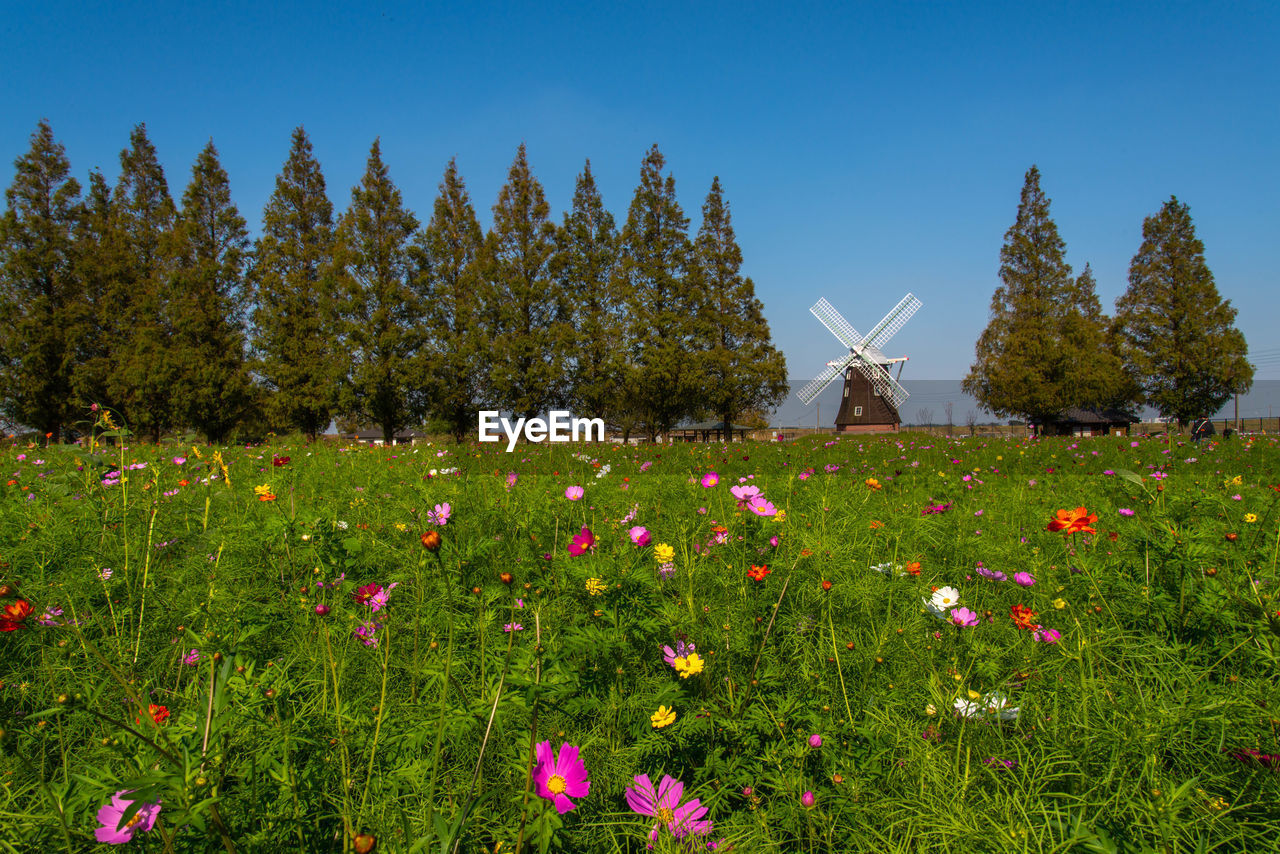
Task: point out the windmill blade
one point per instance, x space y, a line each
824 379
845 334
893 321
888 388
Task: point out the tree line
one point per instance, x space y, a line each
1171 343
168 314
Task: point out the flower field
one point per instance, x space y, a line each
858 644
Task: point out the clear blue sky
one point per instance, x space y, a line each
866 149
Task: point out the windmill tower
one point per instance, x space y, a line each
871 394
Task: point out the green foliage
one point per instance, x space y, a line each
448 279
742 370
295 343
1176 331
1045 347
209 304
525 310
586 269
662 374
1135 730
378 308
41 295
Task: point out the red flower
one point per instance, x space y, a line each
159 714
913 567
757 573
13 615
1023 617
1074 521
364 594
279 461
826 585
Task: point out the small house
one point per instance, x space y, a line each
1088 421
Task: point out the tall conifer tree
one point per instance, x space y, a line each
1039 353
448 279
296 356
586 267
209 303
741 369
1177 333
527 314
100 265
41 298
661 375
135 309
380 314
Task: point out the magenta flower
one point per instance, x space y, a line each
378 601
559 778
191 658
583 542
761 506
573 493
1125 511
664 804
440 515
512 477
807 799
114 830
640 536
964 617
682 650
1024 579
815 740
710 479
1046 635
513 627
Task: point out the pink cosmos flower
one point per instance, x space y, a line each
710 479
663 803
1024 579
964 617
744 493
582 543
761 506
191 658
1046 635
808 799
640 536
1125 511
815 740
573 493
682 650
378 601
440 515
559 778
113 830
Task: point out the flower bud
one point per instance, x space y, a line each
431 542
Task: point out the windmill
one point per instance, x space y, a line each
871 394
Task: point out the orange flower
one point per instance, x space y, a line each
1022 617
13 615
876 524
159 714
266 497
757 573
872 483
913 567
431 541
1074 521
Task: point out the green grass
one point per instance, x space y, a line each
290 734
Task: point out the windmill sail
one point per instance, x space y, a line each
893 321
824 379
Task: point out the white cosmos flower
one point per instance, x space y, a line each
946 597
938 613
992 704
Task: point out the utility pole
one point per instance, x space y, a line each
1237 418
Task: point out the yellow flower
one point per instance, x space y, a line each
662 717
663 553
595 586
597 613
1251 517
1059 603
780 516
690 665
265 489
1237 480
401 527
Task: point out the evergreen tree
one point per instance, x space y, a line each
296 354
586 267
209 304
741 369
526 312
448 251
661 376
41 297
380 314
1177 333
100 263
1042 349
135 316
